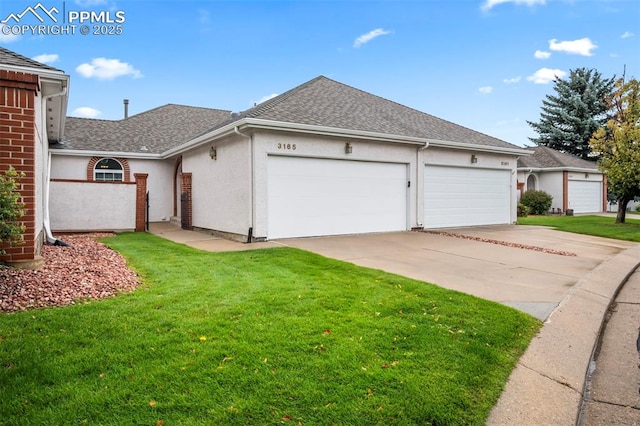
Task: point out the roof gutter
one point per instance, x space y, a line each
481 148
64 82
110 154
558 169
333 131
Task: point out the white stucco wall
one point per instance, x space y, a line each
92 206
159 181
159 185
221 188
268 143
552 183
485 160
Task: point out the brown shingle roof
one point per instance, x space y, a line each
153 131
7 57
544 157
325 102
321 102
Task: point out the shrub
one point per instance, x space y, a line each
11 209
538 202
638 208
523 211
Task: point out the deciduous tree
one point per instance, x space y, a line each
618 144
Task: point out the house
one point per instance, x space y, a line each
323 158
33 107
575 184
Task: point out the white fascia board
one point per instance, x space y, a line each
559 169
53 74
481 148
332 131
109 154
257 123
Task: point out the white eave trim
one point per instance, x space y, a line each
333 131
559 169
44 73
109 154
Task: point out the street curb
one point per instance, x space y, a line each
547 385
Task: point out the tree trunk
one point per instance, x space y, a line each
622 209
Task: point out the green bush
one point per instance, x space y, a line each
638 208
523 211
11 209
538 202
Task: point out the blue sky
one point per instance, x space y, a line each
483 64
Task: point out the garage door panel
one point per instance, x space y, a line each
461 196
311 197
585 196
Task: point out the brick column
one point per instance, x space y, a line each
18 149
186 204
141 201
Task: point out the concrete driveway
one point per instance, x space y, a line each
515 265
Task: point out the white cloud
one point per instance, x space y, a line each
627 34
47 58
512 80
489 4
546 75
107 69
485 90
264 98
540 54
86 112
365 38
582 46
7 38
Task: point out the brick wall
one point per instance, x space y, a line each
17 148
141 201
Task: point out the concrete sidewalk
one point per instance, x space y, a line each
572 294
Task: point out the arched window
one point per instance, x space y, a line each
531 183
108 170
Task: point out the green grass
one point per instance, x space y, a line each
291 338
599 226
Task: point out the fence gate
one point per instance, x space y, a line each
184 210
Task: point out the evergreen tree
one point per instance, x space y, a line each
571 116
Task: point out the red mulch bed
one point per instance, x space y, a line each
85 269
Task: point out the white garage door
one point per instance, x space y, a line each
312 197
461 196
585 196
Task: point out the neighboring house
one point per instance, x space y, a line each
323 158
33 106
575 184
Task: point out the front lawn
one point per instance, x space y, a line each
599 226
275 336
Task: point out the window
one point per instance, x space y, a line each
108 170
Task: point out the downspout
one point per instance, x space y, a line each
419 182
50 239
237 131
